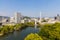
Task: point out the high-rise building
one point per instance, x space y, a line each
18 17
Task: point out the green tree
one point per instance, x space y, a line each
5 29
50 31
17 26
11 28
33 37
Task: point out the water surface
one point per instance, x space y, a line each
19 35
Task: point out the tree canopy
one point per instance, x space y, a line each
33 37
50 31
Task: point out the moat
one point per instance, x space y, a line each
19 35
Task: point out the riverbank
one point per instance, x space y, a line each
5 29
19 35
46 31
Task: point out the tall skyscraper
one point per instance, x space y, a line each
18 17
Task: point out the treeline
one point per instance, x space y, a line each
5 29
47 32
50 31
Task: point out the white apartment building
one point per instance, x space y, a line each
12 20
22 21
18 17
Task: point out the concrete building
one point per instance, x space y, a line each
58 17
18 17
4 19
22 21
12 20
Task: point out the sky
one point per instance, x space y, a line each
31 8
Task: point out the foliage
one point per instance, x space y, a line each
29 24
26 17
50 31
11 28
17 26
33 37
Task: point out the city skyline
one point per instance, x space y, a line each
49 8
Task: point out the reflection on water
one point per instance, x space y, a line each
19 35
